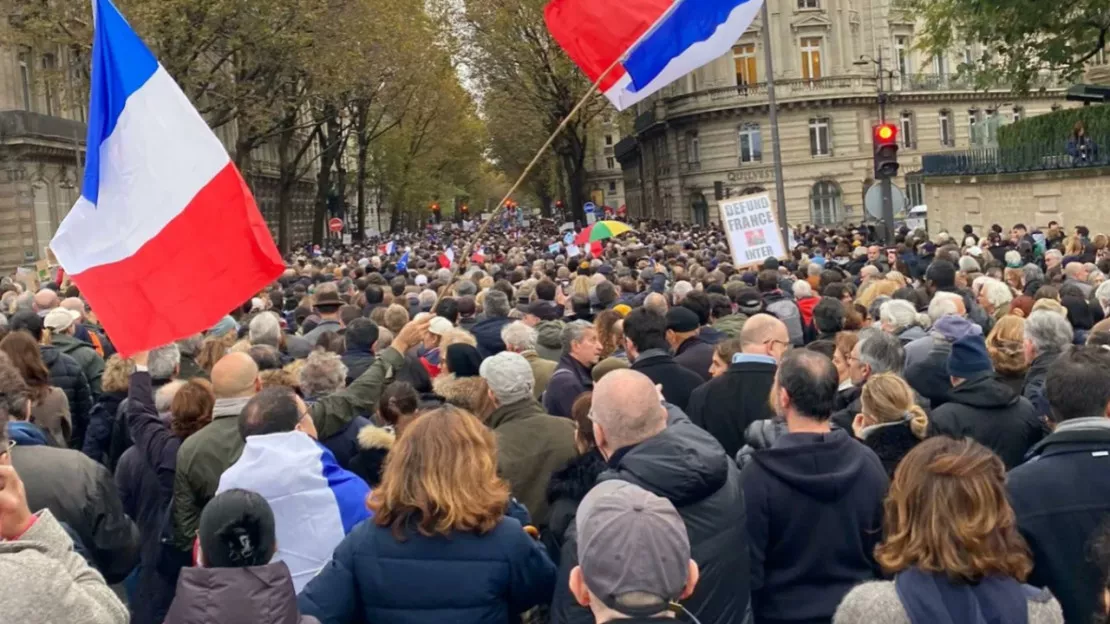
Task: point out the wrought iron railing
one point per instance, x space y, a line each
1056 155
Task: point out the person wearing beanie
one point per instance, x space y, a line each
683 334
531 444
237 582
460 385
982 407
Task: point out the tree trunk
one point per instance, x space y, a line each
363 140
285 191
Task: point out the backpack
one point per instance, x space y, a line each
787 311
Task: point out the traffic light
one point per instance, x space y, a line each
435 211
885 139
465 210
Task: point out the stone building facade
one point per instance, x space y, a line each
710 131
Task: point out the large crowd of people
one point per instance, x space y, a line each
910 432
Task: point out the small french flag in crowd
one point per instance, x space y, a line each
386 249
656 41
163 211
479 256
447 258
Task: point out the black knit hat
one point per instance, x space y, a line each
463 360
237 530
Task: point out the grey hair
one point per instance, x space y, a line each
163 398
163 362
190 345
898 314
881 351
1048 331
466 288
427 299
443 275
1012 257
802 289
1102 293
519 336
265 329
970 265
943 304
682 289
574 333
814 269
1055 253
1032 272
24 303
322 374
496 304
997 293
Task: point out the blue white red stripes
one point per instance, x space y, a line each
315 502
653 42
162 208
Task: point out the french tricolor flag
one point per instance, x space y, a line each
447 258
656 41
166 237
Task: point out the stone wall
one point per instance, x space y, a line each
1071 197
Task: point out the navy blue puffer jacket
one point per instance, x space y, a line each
465 577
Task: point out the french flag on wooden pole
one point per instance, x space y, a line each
655 41
166 237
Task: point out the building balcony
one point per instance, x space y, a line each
18 126
1025 158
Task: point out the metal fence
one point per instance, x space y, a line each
1027 157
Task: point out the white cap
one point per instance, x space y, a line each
59 319
440 326
421 280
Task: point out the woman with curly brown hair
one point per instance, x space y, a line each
951 542
438 523
1006 347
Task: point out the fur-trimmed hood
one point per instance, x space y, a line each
372 437
464 392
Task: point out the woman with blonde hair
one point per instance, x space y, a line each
951 542
439 522
890 421
1006 347
878 288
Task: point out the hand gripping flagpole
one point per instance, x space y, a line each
536 159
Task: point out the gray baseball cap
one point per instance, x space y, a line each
632 548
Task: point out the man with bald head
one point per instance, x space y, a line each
45 301
728 405
670 457
205 455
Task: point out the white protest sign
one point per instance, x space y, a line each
573 250
753 231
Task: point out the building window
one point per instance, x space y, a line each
825 203
916 192
811 58
809 4
906 129
612 187
972 125
693 148
969 55
48 65
902 57
610 162
819 144
947 137
743 56
940 65
1017 114
751 143
608 139
25 78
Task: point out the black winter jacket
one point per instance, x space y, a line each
809 480
728 405
82 494
696 355
988 411
1035 381
98 437
66 374
678 381
357 361
567 487
687 466
891 442
488 334
1062 497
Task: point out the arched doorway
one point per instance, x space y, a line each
700 208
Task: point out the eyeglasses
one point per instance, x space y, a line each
785 344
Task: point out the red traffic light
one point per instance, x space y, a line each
886 133
435 207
